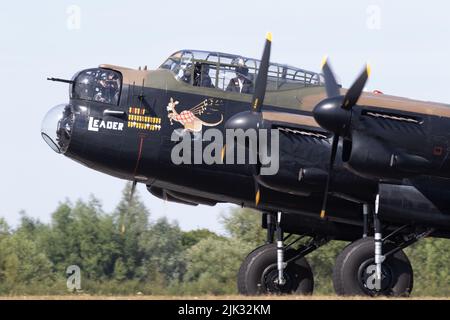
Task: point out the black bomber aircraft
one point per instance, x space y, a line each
367 168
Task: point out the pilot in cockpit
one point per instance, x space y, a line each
241 83
201 76
108 89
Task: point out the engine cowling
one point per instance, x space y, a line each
301 182
373 158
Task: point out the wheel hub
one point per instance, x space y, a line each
366 277
269 281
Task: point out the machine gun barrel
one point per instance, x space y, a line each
60 80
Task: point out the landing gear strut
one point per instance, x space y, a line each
280 252
379 258
278 268
366 211
270 220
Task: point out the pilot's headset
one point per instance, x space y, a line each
241 68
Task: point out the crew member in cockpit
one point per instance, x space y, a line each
184 74
241 83
201 76
109 89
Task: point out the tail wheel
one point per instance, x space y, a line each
354 270
258 273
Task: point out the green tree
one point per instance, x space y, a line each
430 259
131 221
191 238
85 237
21 261
59 243
4 228
322 262
120 270
213 264
245 225
163 249
33 229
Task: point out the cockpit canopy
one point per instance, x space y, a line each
98 84
217 70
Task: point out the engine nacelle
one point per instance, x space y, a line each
301 182
372 158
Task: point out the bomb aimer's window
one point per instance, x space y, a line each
99 85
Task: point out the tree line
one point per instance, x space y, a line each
126 252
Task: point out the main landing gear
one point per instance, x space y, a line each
377 266
370 266
276 268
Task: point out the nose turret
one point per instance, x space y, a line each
57 127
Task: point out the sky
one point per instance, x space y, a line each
406 43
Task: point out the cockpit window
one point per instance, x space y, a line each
235 73
99 85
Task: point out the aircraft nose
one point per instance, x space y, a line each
57 127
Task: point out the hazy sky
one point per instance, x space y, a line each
406 42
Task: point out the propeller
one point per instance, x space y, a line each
252 119
261 79
258 99
334 114
334 146
130 200
133 189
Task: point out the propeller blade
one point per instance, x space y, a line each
133 189
334 146
261 79
331 85
353 94
255 173
258 98
130 200
257 194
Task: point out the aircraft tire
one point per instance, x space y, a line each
259 270
352 276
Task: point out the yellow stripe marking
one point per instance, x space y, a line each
324 61
257 197
223 152
255 105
